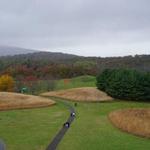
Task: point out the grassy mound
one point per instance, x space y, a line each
17 101
135 121
80 94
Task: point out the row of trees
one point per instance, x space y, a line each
53 71
57 65
125 84
119 83
30 85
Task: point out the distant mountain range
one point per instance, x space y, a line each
11 51
22 62
16 52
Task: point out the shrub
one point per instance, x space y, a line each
125 84
7 83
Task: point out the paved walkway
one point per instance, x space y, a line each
61 133
2 145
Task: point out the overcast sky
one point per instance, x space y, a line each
83 27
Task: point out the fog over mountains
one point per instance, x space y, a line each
11 51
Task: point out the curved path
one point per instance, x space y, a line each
61 133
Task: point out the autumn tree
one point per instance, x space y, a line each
7 83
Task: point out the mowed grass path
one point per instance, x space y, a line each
31 129
92 130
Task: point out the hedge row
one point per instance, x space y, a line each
125 84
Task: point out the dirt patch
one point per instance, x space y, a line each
81 94
10 100
135 121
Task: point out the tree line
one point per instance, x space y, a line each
128 84
57 65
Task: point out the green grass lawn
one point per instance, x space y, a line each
82 81
92 130
31 129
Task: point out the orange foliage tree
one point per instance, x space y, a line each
7 83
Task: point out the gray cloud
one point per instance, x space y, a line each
86 27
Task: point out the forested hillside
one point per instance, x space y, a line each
48 65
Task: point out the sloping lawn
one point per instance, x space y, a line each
81 81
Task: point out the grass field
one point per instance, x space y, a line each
92 130
82 81
31 129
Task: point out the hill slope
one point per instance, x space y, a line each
11 51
